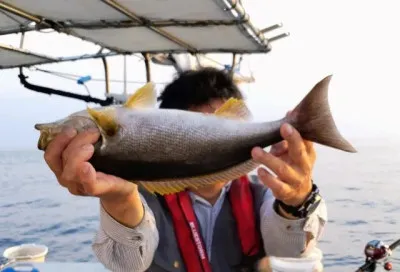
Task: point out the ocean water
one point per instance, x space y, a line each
361 191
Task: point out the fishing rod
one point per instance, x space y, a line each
376 252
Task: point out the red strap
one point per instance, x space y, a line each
187 232
241 199
186 227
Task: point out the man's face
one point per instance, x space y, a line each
209 107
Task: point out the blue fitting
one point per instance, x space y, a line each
83 80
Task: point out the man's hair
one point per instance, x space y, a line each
197 87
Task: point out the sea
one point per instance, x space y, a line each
361 191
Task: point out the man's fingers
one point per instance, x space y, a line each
76 189
83 138
94 183
279 189
264 265
53 153
100 184
88 177
310 149
279 167
279 149
82 154
296 148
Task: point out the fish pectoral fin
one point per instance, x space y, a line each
105 120
234 109
144 97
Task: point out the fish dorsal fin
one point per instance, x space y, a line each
105 120
234 108
144 97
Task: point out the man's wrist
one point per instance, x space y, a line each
118 200
128 210
278 209
301 211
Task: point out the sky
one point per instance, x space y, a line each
355 41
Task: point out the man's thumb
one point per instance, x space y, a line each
100 184
92 184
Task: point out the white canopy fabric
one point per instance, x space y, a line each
11 57
138 26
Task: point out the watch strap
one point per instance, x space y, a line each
308 206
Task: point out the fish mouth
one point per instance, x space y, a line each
44 140
45 137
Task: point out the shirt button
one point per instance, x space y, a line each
176 264
136 238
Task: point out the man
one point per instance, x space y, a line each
228 226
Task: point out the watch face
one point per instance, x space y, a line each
312 206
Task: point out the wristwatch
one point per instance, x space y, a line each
308 206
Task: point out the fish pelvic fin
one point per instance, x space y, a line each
314 121
105 120
234 108
171 186
144 97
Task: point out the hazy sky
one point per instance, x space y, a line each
356 41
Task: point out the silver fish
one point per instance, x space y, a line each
167 151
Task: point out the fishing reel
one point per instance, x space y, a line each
376 252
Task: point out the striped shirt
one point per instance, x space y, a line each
123 249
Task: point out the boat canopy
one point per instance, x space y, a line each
126 27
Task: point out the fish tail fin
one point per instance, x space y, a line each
313 119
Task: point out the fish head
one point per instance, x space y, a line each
79 121
105 119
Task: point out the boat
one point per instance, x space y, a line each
180 34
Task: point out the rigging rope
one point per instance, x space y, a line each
75 77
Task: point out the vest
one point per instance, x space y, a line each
226 245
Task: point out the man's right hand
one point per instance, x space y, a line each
67 156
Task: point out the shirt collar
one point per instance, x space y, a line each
196 198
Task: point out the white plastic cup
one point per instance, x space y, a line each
311 263
26 253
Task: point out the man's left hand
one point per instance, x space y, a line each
292 161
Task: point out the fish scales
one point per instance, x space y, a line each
174 136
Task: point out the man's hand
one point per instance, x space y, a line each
67 156
292 160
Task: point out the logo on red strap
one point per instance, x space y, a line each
197 240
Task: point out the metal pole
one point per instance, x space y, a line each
278 37
147 63
106 75
233 64
270 28
19 12
125 76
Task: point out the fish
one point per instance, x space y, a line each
167 151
